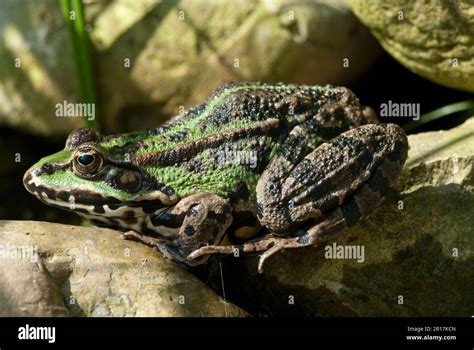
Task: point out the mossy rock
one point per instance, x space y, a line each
434 39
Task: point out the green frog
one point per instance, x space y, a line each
257 168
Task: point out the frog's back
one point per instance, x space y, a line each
227 141
220 146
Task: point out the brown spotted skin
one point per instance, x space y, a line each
322 163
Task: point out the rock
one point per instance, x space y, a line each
434 39
59 270
37 70
258 41
151 58
418 248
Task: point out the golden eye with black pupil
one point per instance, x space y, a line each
87 162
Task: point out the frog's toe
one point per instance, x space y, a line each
261 261
138 237
211 249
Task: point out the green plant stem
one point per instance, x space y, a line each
439 113
82 54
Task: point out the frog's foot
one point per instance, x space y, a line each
167 247
256 245
271 244
148 240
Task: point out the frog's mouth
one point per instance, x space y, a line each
87 202
105 211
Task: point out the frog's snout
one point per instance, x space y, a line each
32 176
28 179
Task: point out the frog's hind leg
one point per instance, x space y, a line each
333 187
364 201
335 221
291 192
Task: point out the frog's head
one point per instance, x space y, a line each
93 179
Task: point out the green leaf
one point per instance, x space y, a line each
439 113
82 54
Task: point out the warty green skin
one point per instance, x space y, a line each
284 157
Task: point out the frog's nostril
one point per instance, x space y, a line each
47 168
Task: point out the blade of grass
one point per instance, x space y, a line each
82 54
439 113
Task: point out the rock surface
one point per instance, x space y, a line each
418 248
434 39
154 57
58 270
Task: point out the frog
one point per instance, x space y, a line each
255 169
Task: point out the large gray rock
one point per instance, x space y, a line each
153 57
434 39
58 270
418 248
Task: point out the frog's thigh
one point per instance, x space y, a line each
365 200
328 175
299 143
206 220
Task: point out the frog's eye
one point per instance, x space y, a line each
87 162
85 159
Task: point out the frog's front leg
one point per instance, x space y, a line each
206 218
